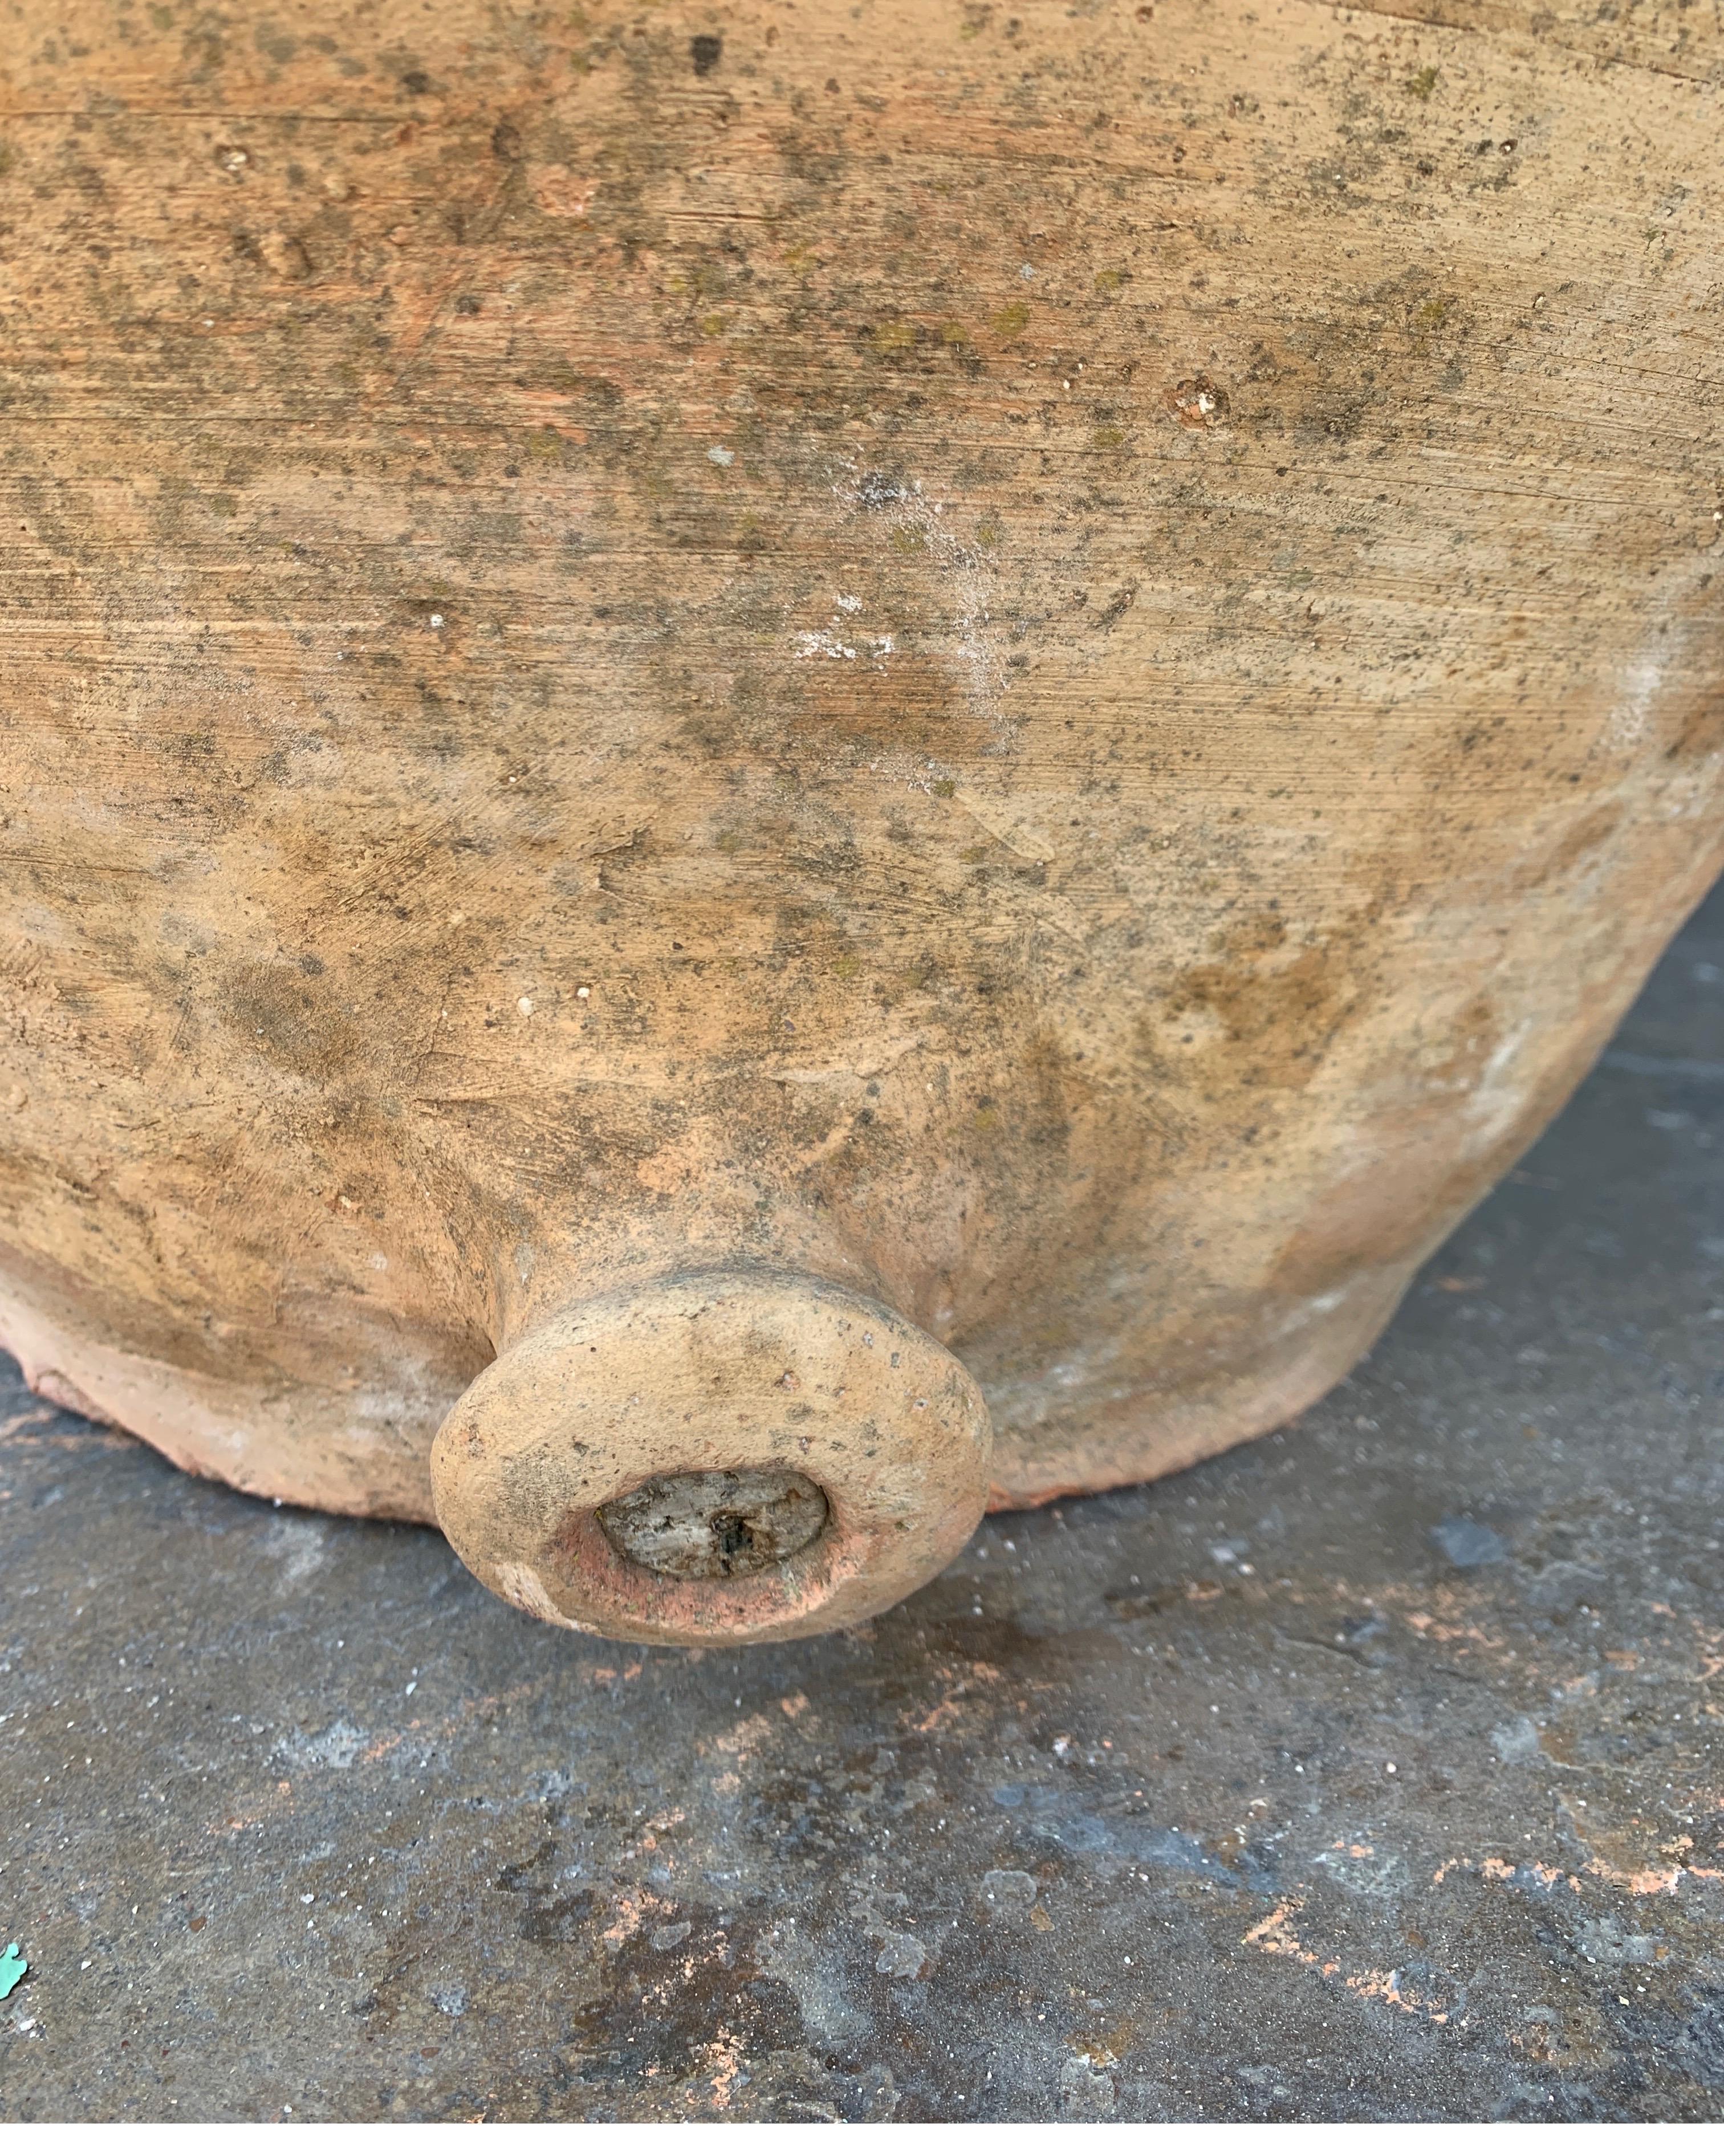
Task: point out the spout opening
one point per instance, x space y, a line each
724 1457
729 1525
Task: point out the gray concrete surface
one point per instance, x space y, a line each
1371 1772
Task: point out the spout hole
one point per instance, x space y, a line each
730 1524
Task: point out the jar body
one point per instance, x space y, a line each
918 661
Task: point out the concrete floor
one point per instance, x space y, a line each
1374 1771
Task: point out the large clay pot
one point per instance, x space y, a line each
737 738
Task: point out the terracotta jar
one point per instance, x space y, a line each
768 770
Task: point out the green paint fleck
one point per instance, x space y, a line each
12 1966
1421 84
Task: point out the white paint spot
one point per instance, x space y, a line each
718 456
1518 1739
300 1543
1496 1101
849 604
338 1746
902 1954
1641 682
525 1006
816 643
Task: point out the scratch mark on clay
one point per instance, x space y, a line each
520 1584
1497 1099
906 508
1663 664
